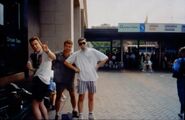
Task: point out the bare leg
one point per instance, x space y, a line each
44 110
73 99
150 67
144 67
80 102
91 102
59 102
53 98
36 110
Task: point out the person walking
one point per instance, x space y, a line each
64 78
179 73
41 65
87 61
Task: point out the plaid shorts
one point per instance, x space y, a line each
83 86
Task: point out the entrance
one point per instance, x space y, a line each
135 52
164 45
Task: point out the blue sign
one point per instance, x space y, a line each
142 27
183 28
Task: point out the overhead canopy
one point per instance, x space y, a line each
112 34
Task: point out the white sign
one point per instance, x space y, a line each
183 28
128 27
1 14
150 27
154 27
172 28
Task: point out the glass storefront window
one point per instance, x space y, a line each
103 46
116 43
13 41
1 14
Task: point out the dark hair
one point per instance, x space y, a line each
182 51
81 39
68 42
33 38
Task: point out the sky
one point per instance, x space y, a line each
135 11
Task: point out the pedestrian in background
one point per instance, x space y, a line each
87 61
64 78
179 73
52 91
147 64
41 65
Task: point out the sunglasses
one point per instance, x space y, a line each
81 43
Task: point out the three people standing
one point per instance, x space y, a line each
84 62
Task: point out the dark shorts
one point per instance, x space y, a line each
62 86
39 89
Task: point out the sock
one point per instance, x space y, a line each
58 114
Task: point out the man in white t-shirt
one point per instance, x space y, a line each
41 61
87 61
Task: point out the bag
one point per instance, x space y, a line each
178 68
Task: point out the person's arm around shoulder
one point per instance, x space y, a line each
71 66
69 62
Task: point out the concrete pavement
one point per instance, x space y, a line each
134 96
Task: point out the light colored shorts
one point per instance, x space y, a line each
83 86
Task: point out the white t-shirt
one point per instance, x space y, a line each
52 74
86 61
44 70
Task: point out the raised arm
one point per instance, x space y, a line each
50 54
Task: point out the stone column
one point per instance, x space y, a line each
57 22
77 26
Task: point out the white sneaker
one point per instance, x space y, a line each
91 116
80 117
